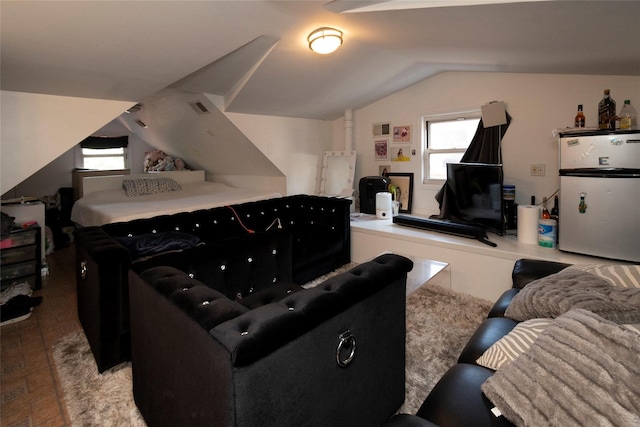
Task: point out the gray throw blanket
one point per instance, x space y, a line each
558 293
581 371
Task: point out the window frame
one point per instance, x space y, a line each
123 155
472 114
103 143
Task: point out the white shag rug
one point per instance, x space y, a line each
439 323
91 398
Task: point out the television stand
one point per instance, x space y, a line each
444 226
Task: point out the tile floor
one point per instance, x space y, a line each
29 387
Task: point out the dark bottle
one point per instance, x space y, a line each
607 112
545 211
554 209
580 119
554 215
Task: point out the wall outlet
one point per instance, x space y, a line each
536 169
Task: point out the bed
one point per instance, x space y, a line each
105 198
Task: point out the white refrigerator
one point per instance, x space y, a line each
599 209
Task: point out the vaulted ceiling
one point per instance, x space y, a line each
255 55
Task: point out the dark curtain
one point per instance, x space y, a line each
101 142
484 148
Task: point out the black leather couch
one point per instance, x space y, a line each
457 400
320 236
277 355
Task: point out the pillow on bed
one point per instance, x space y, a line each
141 186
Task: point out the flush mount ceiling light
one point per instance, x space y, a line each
325 40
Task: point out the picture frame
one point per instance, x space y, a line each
381 147
402 134
398 154
404 183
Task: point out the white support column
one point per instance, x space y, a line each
348 130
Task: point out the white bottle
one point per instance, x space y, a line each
628 116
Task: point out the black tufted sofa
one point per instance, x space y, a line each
318 227
457 400
329 355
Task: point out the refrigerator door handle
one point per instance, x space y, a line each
601 172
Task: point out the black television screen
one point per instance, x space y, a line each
475 190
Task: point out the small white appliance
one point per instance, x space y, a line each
600 194
383 206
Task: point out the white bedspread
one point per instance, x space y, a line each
105 207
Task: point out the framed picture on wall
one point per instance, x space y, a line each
402 134
381 149
398 154
401 189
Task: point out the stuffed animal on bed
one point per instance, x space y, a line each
152 158
158 160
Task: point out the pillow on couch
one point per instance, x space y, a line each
553 295
512 345
582 370
519 340
627 276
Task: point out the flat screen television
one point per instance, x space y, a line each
475 193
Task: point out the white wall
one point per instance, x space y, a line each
295 146
538 103
57 174
38 128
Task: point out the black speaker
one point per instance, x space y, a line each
368 187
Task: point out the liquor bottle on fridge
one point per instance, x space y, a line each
628 116
580 119
607 112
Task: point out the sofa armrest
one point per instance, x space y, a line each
487 334
260 331
527 270
406 420
502 303
101 266
457 400
175 364
206 306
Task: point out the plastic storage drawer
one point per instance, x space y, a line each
23 253
21 239
14 271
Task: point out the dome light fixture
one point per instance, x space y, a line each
325 40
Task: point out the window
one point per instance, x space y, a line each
109 158
104 153
447 137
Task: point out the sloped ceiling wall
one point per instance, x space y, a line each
208 141
38 128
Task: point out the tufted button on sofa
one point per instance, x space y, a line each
318 227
